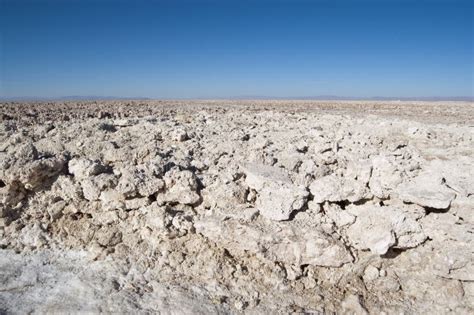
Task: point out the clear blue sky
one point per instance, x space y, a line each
169 49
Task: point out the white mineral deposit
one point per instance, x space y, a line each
237 206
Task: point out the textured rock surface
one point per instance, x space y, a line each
277 196
263 207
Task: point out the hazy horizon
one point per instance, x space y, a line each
243 97
229 49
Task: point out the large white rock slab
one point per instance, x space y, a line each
380 228
426 190
277 197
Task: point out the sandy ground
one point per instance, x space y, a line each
237 206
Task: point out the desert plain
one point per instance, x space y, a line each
237 206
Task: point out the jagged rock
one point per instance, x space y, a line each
458 174
136 203
55 210
220 194
456 237
380 228
124 122
93 186
455 261
181 187
35 174
327 188
334 188
385 177
65 188
154 217
293 247
241 212
277 197
142 181
11 194
84 168
150 186
179 135
112 199
340 217
426 190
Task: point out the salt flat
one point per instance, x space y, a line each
224 206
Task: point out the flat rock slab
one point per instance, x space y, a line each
426 190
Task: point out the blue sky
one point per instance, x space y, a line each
186 49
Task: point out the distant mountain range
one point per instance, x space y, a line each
244 97
355 98
70 98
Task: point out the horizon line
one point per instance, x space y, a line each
242 97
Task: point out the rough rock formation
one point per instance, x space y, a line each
227 207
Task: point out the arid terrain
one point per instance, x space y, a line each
262 207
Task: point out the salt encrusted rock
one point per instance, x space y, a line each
35 236
334 188
376 235
289 246
65 188
385 176
258 176
277 197
426 190
55 210
26 152
136 203
327 188
93 186
139 180
11 194
454 261
456 238
181 187
458 174
380 228
150 186
112 199
340 217
34 174
352 305
179 135
84 168
219 194
154 218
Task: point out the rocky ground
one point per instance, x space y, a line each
237 206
